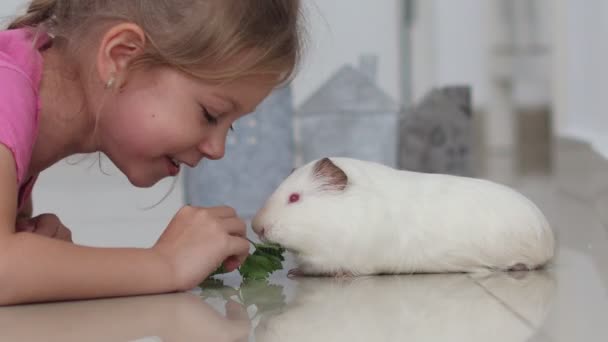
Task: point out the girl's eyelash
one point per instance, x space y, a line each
211 119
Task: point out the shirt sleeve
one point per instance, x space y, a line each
18 116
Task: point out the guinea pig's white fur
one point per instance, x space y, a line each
356 217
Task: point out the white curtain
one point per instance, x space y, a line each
581 71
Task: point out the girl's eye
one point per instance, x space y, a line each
211 119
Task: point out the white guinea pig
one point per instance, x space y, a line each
344 216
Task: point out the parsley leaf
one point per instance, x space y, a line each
266 297
266 259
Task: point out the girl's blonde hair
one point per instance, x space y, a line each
213 40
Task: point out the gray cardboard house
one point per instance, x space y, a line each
259 155
348 116
436 135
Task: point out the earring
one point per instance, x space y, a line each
110 83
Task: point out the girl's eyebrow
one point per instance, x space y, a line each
234 105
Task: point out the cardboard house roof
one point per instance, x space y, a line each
348 91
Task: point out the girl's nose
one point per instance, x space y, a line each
213 148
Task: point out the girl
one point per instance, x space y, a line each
153 84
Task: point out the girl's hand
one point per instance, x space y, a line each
198 240
47 225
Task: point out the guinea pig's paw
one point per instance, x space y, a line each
343 274
299 272
306 272
296 272
519 268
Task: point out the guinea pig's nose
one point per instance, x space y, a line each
259 230
257 227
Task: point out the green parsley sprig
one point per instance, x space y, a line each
267 298
266 259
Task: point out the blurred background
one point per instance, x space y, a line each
433 85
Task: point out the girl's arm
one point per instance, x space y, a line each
35 268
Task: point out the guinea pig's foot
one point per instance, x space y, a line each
343 274
296 272
519 268
519 271
299 272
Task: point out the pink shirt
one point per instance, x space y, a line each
20 75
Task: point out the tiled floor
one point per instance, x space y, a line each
566 302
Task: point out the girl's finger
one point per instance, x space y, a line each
238 247
232 263
235 226
223 211
64 234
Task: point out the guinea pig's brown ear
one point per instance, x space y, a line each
331 176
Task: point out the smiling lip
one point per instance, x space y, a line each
173 169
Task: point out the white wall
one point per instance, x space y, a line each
469 42
580 71
342 30
8 8
448 46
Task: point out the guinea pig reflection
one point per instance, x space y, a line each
166 318
442 307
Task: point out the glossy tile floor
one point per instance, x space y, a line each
566 302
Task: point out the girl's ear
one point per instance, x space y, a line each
119 46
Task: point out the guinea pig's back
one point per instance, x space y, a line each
470 222
441 223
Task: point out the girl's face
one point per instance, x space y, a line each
162 117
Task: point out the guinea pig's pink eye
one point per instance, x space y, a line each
294 198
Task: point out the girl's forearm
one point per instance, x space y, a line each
35 269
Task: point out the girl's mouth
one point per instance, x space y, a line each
173 166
